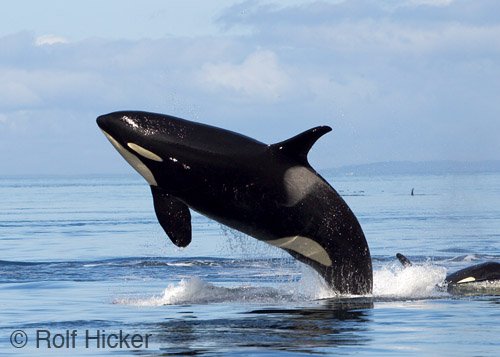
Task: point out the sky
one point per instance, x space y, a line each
397 80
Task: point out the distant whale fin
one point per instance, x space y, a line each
404 260
298 146
174 217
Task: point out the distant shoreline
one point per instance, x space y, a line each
417 168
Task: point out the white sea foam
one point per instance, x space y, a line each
389 282
196 291
417 281
180 264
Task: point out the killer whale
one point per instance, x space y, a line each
488 271
269 192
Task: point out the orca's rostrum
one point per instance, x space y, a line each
269 192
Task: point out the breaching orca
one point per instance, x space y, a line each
489 271
269 192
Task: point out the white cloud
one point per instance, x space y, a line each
48 40
430 2
259 75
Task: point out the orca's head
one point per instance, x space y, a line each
146 141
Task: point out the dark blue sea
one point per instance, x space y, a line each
84 260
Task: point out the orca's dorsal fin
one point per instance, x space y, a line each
298 146
174 216
405 262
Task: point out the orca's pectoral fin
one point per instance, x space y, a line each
298 146
404 260
174 217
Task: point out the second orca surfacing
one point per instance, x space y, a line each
269 192
478 273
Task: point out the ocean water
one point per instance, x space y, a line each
84 258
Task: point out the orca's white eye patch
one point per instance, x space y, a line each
470 279
144 152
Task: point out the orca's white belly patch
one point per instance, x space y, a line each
304 246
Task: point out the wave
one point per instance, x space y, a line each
235 270
127 262
204 280
392 282
194 290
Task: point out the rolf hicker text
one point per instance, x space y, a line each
72 339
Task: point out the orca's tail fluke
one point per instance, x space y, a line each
404 260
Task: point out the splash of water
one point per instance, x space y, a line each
417 281
197 291
390 281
